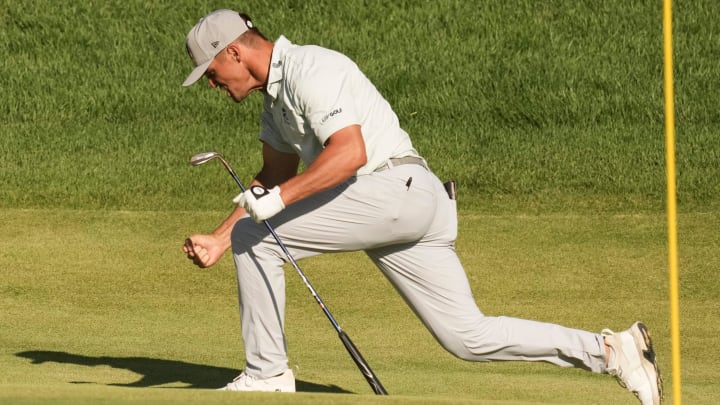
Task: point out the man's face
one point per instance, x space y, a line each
229 73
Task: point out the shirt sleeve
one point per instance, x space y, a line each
324 90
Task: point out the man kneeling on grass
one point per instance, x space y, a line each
364 188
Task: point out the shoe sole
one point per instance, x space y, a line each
649 354
268 390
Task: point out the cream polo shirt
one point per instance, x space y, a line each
313 92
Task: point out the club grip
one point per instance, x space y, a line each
364 367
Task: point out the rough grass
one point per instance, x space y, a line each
551 106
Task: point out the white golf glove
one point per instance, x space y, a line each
260 203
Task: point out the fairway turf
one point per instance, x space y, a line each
103 304
548 114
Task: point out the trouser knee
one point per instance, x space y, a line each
460 350
459 346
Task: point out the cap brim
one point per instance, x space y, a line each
196 74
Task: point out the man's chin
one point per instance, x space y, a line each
238 99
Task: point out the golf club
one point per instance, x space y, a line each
364 367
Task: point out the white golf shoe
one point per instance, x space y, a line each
284 382
632 362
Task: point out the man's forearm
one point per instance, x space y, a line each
224 230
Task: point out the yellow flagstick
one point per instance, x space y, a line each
671 201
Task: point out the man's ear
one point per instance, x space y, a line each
233 52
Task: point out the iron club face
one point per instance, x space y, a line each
203 157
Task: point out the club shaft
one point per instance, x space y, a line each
354 352
287 254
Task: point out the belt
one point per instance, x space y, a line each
407 160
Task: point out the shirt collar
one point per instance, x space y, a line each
275 74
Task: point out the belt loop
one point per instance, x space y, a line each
390 164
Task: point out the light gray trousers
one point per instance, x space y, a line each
408 229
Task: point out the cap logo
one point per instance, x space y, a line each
215 44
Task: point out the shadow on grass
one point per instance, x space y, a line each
156 372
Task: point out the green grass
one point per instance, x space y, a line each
553 105
103 305
548 114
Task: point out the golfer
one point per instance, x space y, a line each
366 188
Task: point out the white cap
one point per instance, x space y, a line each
211 35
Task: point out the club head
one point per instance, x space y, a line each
203 157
